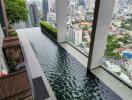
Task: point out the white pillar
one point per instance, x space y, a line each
1 40
99 36
61 17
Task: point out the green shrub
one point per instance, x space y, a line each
124 39
14 33
112 44
46 27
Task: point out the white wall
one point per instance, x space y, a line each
104 18
61 18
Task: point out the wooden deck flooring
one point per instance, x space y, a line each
15 86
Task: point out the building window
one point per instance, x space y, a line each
118 54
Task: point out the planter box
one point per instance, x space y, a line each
14 86
48 29
12 52
46 33
11 41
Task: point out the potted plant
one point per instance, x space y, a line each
16 11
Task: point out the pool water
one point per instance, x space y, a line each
68 78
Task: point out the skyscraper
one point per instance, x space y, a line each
82 3
28 23
71 9
54 5
51 18
51 5
89 4
124 3
75 36
38 3
130 2
117 7
33 10
45 8
130 6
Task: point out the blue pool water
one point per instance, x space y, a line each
68 78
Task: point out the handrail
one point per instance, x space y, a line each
13 74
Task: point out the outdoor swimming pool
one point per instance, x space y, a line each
68 78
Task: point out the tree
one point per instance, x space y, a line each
124 39
16 11
112 44
127 24
85 27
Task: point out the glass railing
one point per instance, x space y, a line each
118 54
79 24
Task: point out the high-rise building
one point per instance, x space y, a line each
124 3
45 8
71 9
129 2
82 3
130 6
80 8
33 10
48 6
51 18
89 4
51 5
75 36
80 16
117 7
38 3
54 5
28 22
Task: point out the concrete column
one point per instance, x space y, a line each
102 18
61 17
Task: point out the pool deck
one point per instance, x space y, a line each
118 87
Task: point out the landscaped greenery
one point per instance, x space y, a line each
85 27
11 63
14 33
124 39
16 11
46 27
112 44
127 24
